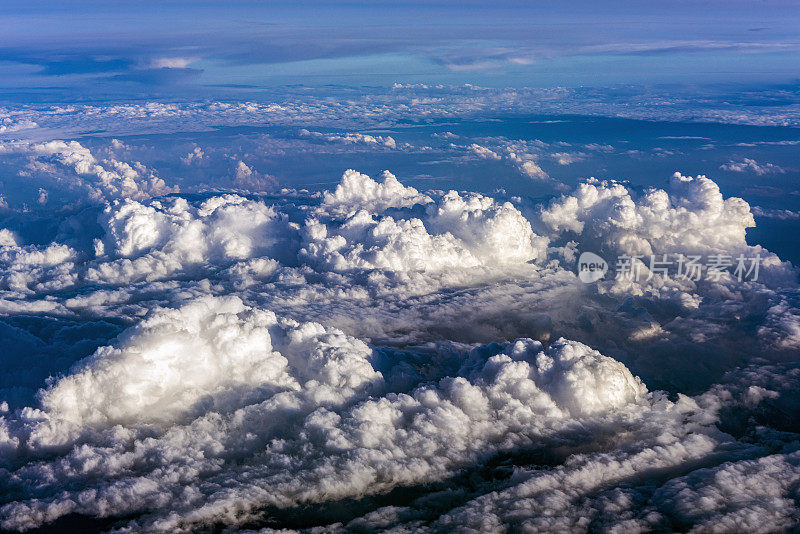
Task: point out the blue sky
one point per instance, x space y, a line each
190 48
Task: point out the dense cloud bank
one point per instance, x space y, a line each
378 357
377 106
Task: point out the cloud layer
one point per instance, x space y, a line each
421 360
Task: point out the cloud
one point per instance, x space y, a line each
483 152
568 158
8 125
195 157
502 390
358 191
248 179
429 357
170 62
155 241
750 165
526 164
693 217
374 110
71 166
355 138
519 153
532 170
783 215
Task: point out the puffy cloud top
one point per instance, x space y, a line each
452 231
692 217
359 191
104 180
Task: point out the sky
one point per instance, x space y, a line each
399 267
88 48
